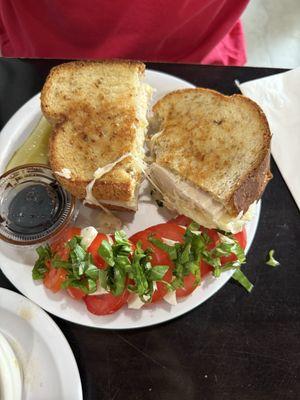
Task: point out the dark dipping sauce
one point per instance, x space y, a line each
34 208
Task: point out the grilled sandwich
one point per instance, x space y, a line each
211 156
98 113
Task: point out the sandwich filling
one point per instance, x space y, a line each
183 197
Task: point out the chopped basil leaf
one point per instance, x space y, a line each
157 272
92 272
40 268
103 278
241 278
171 250
105 251
123 265
117 258
271 261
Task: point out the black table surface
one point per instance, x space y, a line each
234 346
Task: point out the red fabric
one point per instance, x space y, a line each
195 31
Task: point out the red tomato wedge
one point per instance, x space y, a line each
241 237
54 279
56 276
168 230
182 220
75 293
105 304
189 281
159 257
59 246
93 249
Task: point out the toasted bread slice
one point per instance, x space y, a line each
213 147
98 111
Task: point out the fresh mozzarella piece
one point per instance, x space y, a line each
154 286
195 203
134 302
170 298
169 242
65 173
88 234
197 233
10 372
100 290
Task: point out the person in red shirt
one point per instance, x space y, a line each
190 31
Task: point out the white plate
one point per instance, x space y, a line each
16 264
45 357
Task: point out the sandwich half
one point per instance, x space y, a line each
211 156
98 113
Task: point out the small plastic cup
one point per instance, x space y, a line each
34 207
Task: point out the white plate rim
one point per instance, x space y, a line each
13 302
29 114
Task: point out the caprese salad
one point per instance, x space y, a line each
164 262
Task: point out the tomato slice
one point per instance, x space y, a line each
162 290
188 286
182 220
169 230
54 278
59 246
76 293
159 257
189 281
105 304
93 249
241 237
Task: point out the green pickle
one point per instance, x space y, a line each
35 147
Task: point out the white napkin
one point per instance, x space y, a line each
279 97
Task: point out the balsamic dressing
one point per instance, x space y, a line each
34 208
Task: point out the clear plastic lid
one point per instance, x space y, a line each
33 206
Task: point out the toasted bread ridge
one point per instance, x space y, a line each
98 112
218 143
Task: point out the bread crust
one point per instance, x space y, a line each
249 187
119 138
252 186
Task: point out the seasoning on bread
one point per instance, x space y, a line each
211 156
98 112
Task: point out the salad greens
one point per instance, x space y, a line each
129 266
271 261
40 268
81 272
188 255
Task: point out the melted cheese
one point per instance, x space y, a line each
195 203
65 173
89 198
